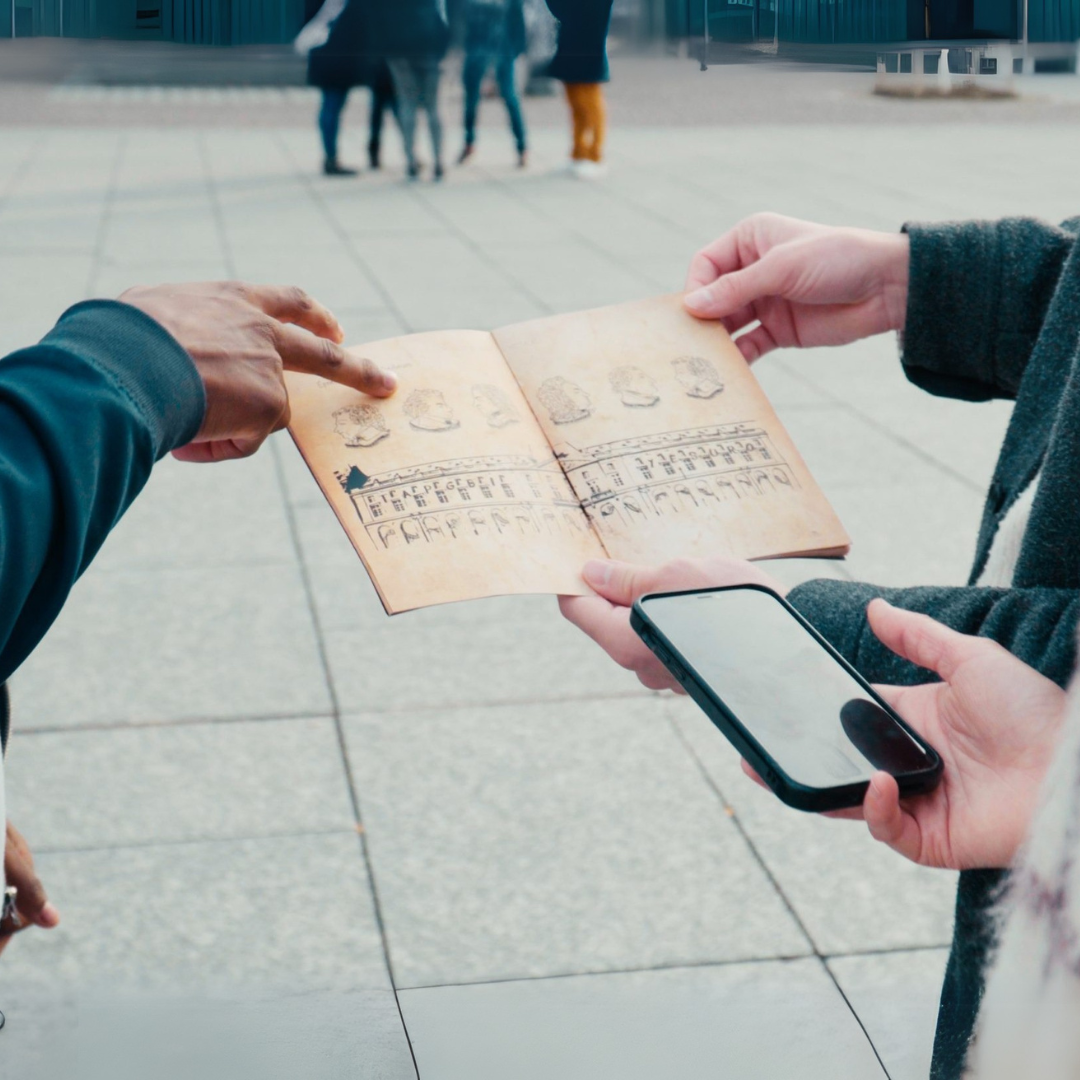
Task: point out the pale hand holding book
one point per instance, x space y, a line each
507 459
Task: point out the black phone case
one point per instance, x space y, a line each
799 796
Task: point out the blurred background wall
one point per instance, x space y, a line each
244 22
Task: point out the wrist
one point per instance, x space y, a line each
894 286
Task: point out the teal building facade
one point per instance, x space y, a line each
198 22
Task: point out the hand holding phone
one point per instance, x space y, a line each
805 720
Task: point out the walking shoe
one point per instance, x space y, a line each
413 171
589 170
332 167
466 153
373 156
438 170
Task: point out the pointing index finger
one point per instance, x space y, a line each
302 351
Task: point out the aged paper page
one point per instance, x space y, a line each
668 440
448 490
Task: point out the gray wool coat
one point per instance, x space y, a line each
993 312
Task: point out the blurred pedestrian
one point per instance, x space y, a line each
494 36
341 56
413 35
541 37
581 65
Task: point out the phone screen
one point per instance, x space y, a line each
805 710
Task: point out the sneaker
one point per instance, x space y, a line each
590 170
332 167
466 153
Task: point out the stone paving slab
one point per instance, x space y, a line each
223 597
895 995
739 1021
104 789
850 893
153 645
317 1036
190 517
286 914
539 840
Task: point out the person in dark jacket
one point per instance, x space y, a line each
85 415
347 60
494 36
581 65
413 35
986 310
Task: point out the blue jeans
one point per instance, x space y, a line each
477 62
416 84
333 104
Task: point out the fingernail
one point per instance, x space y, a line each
390 380
48 916
596 572
698 300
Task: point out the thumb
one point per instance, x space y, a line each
732 292
888 822
918 638
619 582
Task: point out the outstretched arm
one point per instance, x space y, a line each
85 414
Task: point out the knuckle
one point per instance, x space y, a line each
299 299
331 356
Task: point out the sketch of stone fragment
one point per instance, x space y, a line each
697 376
427 410
634 386
360 425
565 401
494 405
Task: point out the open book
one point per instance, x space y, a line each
507 459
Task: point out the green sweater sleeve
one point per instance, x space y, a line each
83 417
1038 625
977 297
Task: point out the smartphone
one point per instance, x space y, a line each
805 719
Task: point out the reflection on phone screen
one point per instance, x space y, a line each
793 698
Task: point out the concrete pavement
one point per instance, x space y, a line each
480 845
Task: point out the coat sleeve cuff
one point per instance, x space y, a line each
952 316
148 365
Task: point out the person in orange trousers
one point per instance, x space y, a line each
581 64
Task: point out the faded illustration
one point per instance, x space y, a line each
672 473
512 495
634 386
697 376
428 410
565 401
360 425
494 405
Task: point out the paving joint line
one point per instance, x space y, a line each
472 245
733 814
305 577
317 714
864 418
307 182
350 776
133 845
105 221
681 965
585 239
